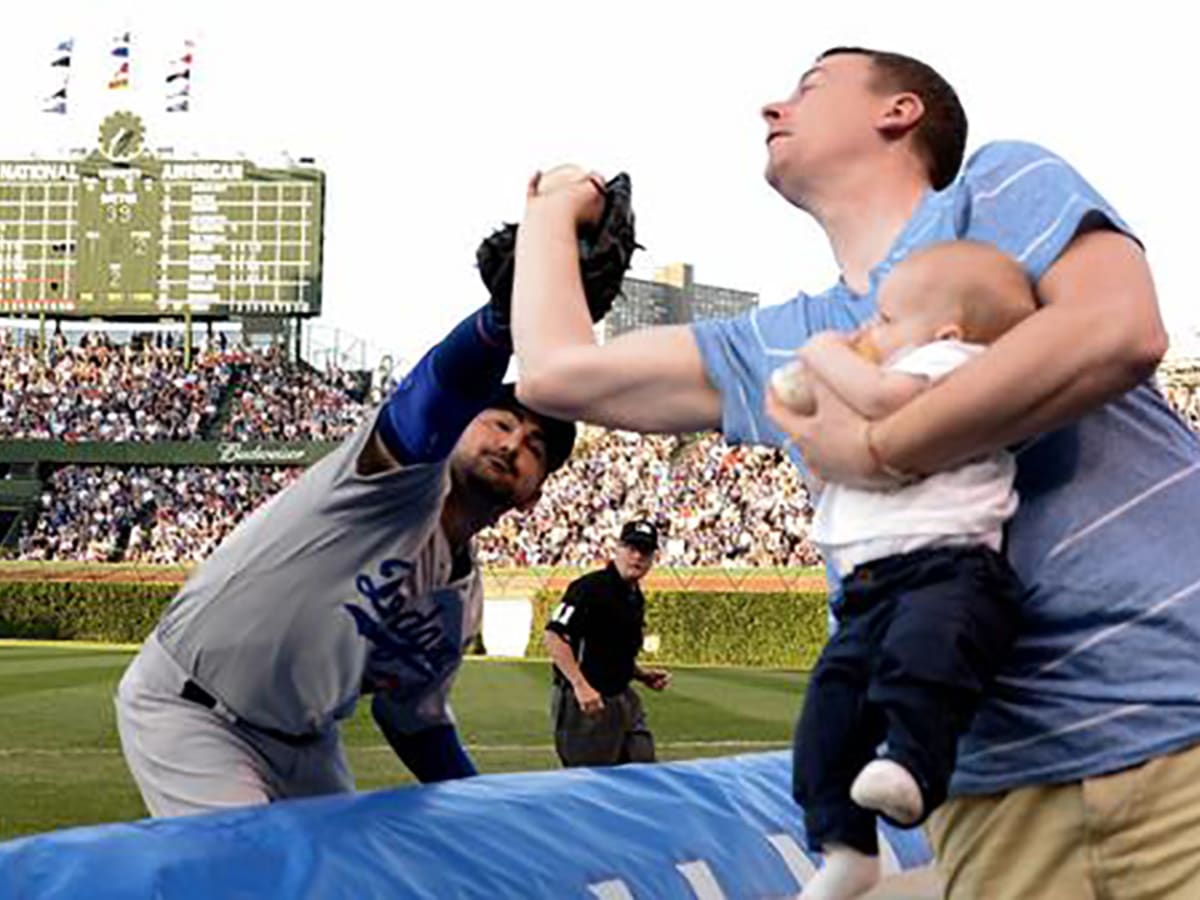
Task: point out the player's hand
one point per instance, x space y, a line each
656 679
589 699
577 190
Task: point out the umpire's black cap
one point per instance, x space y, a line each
640 533
559 433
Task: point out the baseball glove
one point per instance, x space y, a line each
605 250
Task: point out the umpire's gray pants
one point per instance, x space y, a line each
189 759
618 734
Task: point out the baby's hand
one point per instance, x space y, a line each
864 345
823 340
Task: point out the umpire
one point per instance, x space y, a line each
593 637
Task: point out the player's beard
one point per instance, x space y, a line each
484 485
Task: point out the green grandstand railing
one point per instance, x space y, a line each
165 453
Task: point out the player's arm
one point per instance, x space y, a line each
433 754
866 388
1097 335
422 733
650 380
440 395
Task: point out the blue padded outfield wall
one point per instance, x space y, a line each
706 829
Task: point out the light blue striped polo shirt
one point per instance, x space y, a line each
1106 670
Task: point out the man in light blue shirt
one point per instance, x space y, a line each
1081 773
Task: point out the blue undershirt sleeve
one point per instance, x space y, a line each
433 754
442 393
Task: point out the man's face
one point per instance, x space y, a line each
633 561
828 121
501 455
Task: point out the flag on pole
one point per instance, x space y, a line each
62 53
120 50
184 60
57 102
179 80
120 78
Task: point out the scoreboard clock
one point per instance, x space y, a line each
121 232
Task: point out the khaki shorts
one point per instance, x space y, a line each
617 735
1129 835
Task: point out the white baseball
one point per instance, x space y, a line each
789 383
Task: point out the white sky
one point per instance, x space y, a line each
428 118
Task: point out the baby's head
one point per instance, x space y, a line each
957 290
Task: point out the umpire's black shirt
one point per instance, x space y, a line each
601 616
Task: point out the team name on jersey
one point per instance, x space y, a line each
409 644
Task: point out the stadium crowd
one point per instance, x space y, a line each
99 390
717 505
1181 386
151 514
278 401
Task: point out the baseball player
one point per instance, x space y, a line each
359 578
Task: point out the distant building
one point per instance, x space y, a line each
673 298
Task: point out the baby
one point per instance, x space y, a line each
928 605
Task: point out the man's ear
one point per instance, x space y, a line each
901 114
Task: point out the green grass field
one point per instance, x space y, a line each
61 765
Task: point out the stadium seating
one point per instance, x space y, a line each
717 505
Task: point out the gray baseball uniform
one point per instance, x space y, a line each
341 580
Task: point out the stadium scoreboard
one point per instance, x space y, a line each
120 232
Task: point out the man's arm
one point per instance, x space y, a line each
870 391
647 381
655 679
561 654
651 380
1098 335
